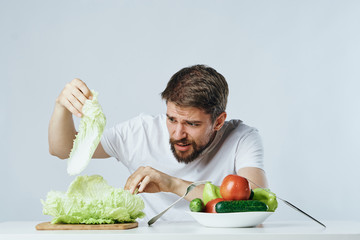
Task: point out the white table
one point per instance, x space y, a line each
192 230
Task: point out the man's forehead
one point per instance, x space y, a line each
188 113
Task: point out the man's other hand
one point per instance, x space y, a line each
150 180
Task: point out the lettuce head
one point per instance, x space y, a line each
90 200
91 127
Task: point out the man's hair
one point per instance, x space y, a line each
198 86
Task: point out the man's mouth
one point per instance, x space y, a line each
183 144
182 147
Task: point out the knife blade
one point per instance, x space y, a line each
290 204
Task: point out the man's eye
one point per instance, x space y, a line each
193 124
171 120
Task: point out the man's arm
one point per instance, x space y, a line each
255 175
62 130
150 180
251 151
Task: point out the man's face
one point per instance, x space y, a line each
191 131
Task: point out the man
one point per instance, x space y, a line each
165 153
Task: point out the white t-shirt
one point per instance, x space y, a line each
144 141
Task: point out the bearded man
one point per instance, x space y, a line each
165 153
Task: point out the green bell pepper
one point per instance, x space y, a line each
267 197
210 192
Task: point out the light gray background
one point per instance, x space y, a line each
292 67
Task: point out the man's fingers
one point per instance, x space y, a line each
138 177
147 179
71 108
133 182
79 96
74 96
82 87
75 102
144 183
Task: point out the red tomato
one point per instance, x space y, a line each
235 187
210 206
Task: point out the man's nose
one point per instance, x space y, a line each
179 132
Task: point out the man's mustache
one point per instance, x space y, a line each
182 141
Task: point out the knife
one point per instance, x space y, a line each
290 204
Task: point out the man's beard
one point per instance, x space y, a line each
197 150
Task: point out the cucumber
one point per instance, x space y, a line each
251 194
240 206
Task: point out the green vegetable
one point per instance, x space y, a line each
90 200
90 130
197 205
210 192
251 194
240 206
267 197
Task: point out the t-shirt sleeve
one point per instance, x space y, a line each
118 141
110 142
250 152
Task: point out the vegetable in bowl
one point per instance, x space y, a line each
235 195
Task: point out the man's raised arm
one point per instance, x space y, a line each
61 127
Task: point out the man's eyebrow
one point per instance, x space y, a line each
195 121
189 121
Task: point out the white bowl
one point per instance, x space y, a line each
238 219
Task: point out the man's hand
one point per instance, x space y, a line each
151 181
73 96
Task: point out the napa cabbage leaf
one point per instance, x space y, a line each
91 200
91 127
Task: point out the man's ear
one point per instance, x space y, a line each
220 120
